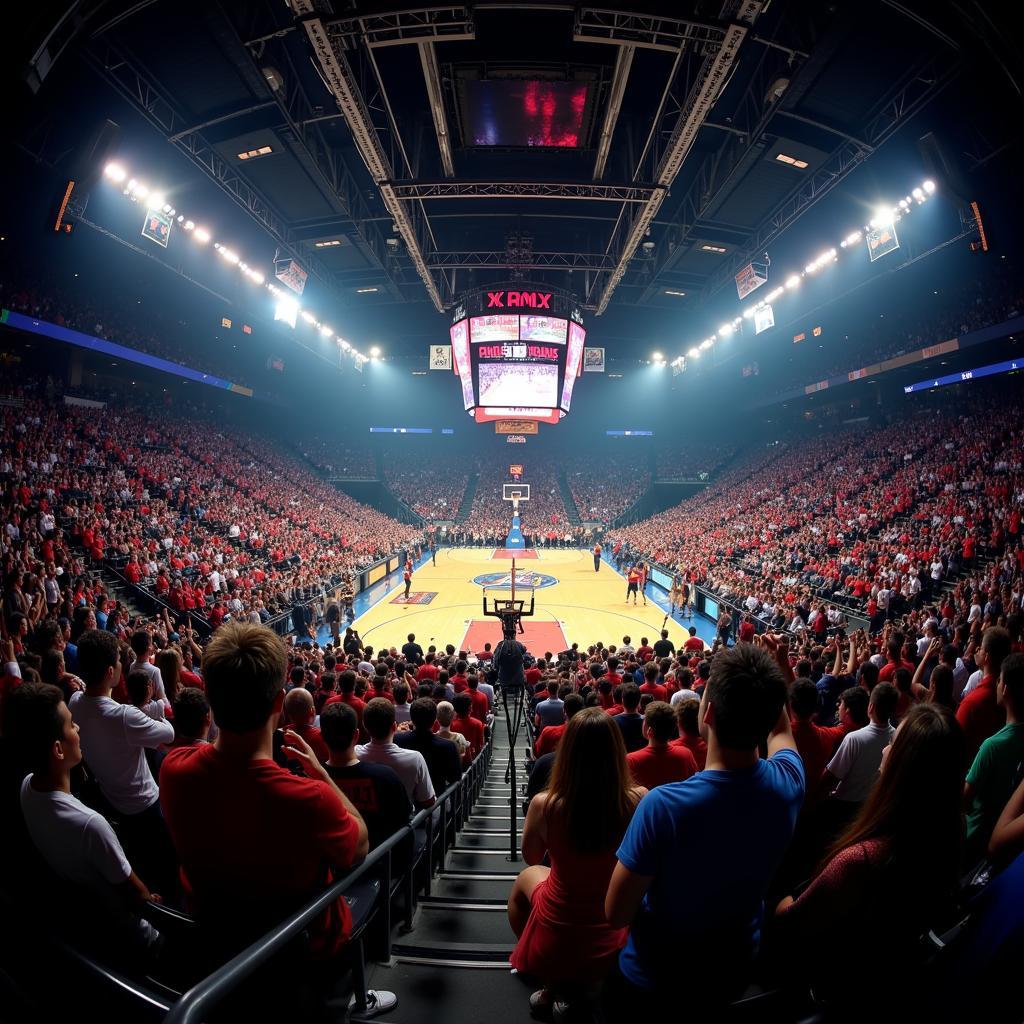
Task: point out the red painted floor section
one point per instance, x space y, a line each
514 553
539 636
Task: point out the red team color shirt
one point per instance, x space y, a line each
253 838
652 767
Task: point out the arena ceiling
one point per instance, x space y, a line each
397 170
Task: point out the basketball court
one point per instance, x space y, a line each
573 603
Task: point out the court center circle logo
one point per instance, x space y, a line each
524 578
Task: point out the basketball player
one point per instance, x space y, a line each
433 551
675 597
597 557
643 570
633 583
407 576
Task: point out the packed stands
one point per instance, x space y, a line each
433 486
605 485
690 461
543 513
341 459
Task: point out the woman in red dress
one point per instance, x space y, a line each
579 821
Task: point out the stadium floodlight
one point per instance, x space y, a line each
326 331
725 330
918 194
929 186
307 316
201 235
230 256
140 190
657 357
190 226
793 281
748 313
257 276
345 345
706 344
115 172
158 202
375 351
694 353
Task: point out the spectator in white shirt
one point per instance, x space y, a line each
409 765
853 769
142 647
76 843
114 740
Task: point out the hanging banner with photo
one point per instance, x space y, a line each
291 275
593 360
750 278
157 227
881 241
440 357
764 317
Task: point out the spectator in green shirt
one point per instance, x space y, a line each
999 765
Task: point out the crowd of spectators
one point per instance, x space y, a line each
647 757
874 520
340 458
604 485
210 521
433 486
696 461
543 514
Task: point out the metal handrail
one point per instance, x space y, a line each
212 989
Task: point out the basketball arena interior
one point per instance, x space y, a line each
512 511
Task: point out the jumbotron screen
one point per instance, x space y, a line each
517 364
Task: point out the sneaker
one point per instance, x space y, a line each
377 1001
541 1005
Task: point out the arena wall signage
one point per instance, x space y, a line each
516 427
518 300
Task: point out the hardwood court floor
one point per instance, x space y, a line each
588 606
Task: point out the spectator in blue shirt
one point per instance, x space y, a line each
732 822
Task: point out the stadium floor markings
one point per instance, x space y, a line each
588 606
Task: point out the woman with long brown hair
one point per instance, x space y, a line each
579 821
896 866
169 662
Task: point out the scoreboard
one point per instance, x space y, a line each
517 364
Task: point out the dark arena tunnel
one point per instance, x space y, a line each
512 511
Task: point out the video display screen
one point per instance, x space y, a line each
577 341
519 384
504 112
460 349
542 328
499 327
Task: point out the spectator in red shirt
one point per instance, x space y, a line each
652 686
299 713
237 818
466 724
979 714
815 743
747 630
688 723
660 762
480 704
551 735
459 681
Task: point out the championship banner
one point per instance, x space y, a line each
440 357
157 227
291 275
516 427
750 278
764 317
593 360
881 241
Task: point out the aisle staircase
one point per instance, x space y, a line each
467 499
453 964
568 500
